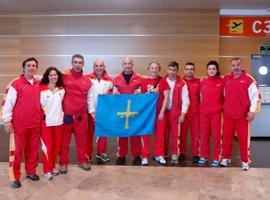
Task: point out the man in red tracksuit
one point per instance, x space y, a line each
177 108
242 101
77 87
22 117
101 84
128 82
192 118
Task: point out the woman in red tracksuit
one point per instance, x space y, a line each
51 97
211 113
152 84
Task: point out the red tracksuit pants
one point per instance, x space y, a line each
79 127
135 143
173 128
101 141
191 123
242 127
27 141
210 126
51 137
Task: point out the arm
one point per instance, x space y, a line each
185 103
255 101
11 98
164 104
91 102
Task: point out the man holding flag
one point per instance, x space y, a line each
128 82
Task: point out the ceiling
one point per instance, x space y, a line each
55 6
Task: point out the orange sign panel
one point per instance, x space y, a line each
245 26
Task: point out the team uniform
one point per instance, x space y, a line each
21 107
211 117
192 118
178 103
146 85
121 86
75 106
241 96
99 87
52 125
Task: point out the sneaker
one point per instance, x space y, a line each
203 161
166 158
32 177
245 166
144 162
63 169
215 163
137 161
181 157
55 172
48 176
161 161
225 163
121 161
85 166
174 160
16 184
103 157
195 159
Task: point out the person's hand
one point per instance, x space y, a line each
250 116
116 92
154 90
8 127
137 92
93 115
160 116
181 118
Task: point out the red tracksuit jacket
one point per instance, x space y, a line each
77 87
123 87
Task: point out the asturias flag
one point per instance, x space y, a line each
125 115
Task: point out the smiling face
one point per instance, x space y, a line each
77 64
127 65
189 71
153 70
236 67
99 67
30 69
53 77
212 70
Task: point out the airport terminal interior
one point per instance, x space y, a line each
145 30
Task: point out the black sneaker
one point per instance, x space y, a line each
137 161
16 184
103 157
195 159
121 161
181 157
85 166
32 177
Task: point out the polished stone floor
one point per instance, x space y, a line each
130 182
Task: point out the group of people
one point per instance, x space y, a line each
51 109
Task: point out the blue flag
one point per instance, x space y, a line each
125 115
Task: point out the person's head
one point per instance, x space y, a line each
127 64
154 69
30 66
236 66
172 69
77 62
213 68
99 67
52 76
189 70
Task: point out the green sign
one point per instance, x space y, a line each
265 48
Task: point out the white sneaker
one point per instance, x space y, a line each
245 166
161 160
174 160
225 163
144 162
48 176
55 172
